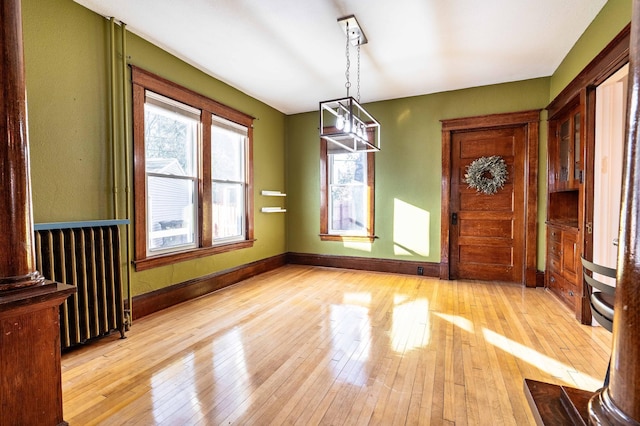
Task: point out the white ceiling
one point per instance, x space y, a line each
290 54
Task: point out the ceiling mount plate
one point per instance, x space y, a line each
356 35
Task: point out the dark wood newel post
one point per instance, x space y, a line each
30 371
17 266
619 402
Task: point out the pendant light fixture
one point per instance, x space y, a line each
344 123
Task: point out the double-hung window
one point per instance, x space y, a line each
228 148
171 133
347 195
192 174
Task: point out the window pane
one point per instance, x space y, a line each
348 168
228 211
227 154
170 213
170 142
348 209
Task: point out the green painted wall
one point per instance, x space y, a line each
66 75
66 56
408 169
67 62
409 166
613 17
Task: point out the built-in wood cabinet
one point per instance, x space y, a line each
563 259
571 167
564 207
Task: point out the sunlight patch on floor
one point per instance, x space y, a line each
457 320
542 362
571 376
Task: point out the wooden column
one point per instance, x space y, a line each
619 402
16 248
30 376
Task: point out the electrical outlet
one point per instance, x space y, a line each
420 270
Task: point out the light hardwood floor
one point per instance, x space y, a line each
307 345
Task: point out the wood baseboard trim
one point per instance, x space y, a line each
539 278
405 267
154 301
158 300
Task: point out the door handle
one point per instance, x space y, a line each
454 218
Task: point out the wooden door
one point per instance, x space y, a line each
488 231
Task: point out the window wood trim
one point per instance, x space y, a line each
143 80
324 200
171 258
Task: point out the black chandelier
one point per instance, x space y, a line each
344 122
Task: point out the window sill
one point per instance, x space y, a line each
171 258
348 238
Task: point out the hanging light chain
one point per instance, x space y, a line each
358 96
344 122
346 74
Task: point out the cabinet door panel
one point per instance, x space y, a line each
565 151
570 255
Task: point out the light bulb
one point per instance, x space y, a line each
347 123
365 135
340 122
358 130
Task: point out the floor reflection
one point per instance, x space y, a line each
351 332
202 383
351 340
172 390
410 329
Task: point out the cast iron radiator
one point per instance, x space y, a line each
87 257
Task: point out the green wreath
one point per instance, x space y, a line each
487 174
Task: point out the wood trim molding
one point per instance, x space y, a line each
531 197
612 57
155 301
156 83
350 238
530 121
406 267
445 210
491 121
171 258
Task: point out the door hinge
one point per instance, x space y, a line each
589 227
454 218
